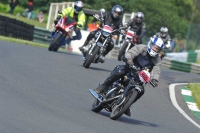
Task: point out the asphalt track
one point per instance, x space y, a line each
47 92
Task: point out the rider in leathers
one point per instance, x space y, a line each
142 56
112 19
137 24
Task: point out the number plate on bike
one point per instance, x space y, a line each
130 34
107 28
144 76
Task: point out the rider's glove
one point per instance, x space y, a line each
97 16
154 82
57 19
167 45
129 62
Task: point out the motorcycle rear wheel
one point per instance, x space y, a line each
118 111
54 46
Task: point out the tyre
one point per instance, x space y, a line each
96 106
122 51
118 111
54 46
90 57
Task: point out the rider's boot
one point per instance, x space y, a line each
107 83
82 47
102 58
115 75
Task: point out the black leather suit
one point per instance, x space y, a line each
139 28
108 20
121 70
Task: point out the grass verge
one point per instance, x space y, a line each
20 41
198 62
195 88
25 20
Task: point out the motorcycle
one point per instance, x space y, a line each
122 93
97 45
63 29
129 42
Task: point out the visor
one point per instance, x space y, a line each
155 48
78 9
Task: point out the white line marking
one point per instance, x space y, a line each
174 102
192 106
186 92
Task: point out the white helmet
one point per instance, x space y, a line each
78 6
163 31
154 46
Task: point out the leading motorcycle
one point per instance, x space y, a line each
122 93
97 45
63 29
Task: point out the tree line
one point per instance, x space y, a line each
174 14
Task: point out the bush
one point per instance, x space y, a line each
18 9
6 9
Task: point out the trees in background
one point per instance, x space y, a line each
175 14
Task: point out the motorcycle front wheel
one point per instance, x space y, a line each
96 106
54 46
122 51
118 111
90 57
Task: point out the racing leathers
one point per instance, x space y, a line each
139 28
108 19
139 57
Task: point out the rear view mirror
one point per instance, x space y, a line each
59 12
102 10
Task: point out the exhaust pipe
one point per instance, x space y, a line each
95 95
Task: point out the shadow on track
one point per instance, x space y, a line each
68 53
130 120
99 69
95 68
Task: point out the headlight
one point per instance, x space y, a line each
67 29
106 33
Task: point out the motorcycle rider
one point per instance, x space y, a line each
164 35
142 56
137 24
112 19
78 15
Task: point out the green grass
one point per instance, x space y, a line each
195 88
20 41
198 62
25 20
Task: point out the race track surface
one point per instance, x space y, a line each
47 92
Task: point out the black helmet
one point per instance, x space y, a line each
78 6
117 11
139 16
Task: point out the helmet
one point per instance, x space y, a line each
154 46
163 31
117 11
139 17
78 6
